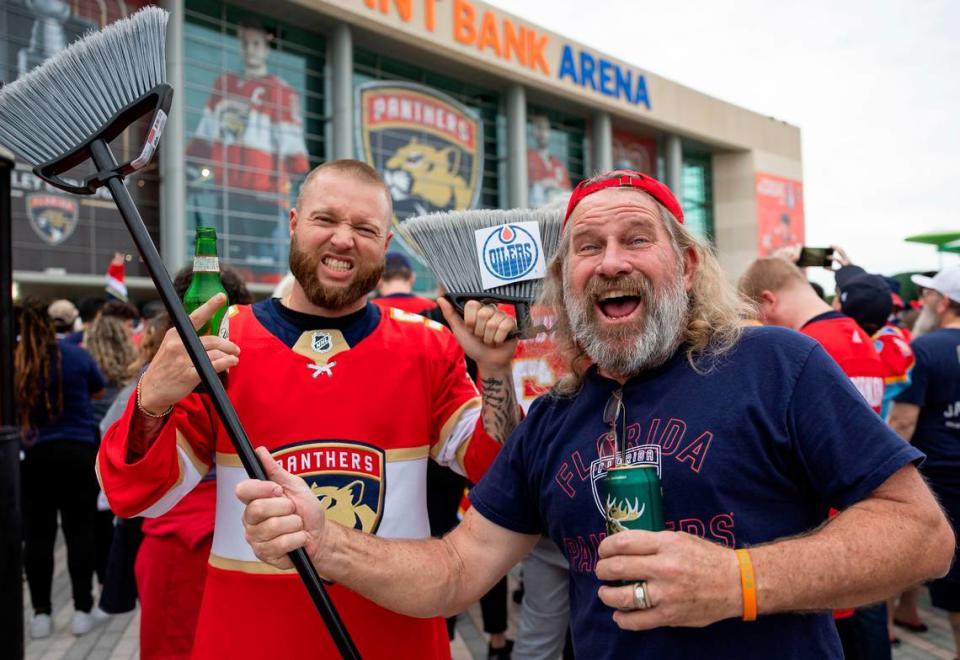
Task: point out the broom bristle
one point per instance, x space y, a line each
53 109
447 242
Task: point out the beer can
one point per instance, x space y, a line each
632 498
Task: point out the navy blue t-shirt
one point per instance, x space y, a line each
81 378
756 450
936 389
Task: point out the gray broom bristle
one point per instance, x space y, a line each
447 242
55 108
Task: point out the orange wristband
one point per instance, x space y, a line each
748 585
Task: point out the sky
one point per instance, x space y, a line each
873 86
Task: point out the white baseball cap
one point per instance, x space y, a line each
946 282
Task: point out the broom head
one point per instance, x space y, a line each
487 254
93 90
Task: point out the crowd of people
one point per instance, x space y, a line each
809 449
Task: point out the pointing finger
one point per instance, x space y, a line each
225 345
205 312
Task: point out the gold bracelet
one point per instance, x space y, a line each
144 410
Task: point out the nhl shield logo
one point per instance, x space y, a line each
52 217
321 342
347 477
428 147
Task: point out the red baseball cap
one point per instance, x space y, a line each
626 179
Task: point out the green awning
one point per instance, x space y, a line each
947 241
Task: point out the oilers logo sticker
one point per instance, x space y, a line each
510 253
347 477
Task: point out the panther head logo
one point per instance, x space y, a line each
428 176
344 505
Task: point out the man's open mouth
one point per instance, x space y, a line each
339 265
617 304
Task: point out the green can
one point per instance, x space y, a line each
632 498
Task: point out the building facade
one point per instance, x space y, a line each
457 103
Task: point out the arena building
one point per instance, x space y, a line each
458 103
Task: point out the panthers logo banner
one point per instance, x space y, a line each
52 217
347 477
427 146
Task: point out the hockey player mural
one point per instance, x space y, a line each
249 146
548 176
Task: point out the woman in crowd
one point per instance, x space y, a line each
54 383
108 340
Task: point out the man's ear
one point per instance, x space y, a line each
293 220
386 245
942 305
691 264
767 304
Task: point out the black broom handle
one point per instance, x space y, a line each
105 162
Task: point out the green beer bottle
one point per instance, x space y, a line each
204 285
206 282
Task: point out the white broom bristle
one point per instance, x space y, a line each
53 109
447 242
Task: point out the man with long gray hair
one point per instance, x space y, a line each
759 433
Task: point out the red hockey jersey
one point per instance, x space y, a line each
358 422
853 350
251 134
894 350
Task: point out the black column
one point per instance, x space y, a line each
11 580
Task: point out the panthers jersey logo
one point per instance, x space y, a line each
344 505
347 477
428 147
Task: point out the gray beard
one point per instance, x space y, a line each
927 321
645 344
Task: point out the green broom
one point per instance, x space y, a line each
63 115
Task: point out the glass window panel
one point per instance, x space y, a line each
555 155
697 186
254 99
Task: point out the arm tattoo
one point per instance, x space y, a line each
500 411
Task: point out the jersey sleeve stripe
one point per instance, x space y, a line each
453 445
470 406
201 466
189 477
